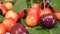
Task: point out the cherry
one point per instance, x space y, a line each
18 29
48 20
34 11
45 11
8 5
4 9
32 20
12 14
57 15
21 14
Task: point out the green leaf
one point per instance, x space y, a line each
37 1
35 30
58 23
23 21
1 18
20 5
55 30
30 2
55 4
10 0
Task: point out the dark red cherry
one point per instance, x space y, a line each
48 20
19 29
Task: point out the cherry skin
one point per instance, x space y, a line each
57 15
32 20
45 11
3 29
18 29
12 14
34 11
8 5
9 23
21 14
4 9
48 20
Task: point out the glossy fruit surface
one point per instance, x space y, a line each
34 11
48 20
45 11
18 29
9 23
12 14
2 29
8 5
4 9
32 20
57 15
36 5
21 14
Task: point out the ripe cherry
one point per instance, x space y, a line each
3 29
9 23
12 14
21 14
57 15
8 5
18 29
45 11
34 11
48 20
4 9
32 20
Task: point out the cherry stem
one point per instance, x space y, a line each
44 3
48 3
47 6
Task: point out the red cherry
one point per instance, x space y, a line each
48 20
4 9
2 29
9 23
32 20
12 14
8 5
21 14
34 11
45 11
